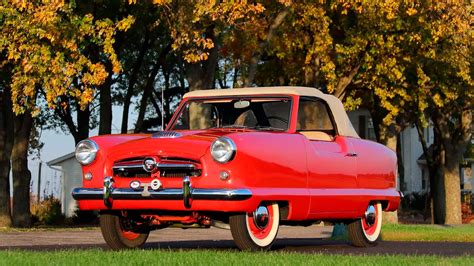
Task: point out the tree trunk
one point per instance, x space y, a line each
439 196
6 143
105 113
150 86
132 81
452 132
452 187
455 145
81 131
252 70
147 92
83 119
390 141
388 136
21 175
200 76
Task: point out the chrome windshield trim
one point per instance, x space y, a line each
164 194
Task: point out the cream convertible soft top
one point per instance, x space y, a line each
344 125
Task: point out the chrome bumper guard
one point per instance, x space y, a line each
187 193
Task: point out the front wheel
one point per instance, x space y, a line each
257 230
118 233
365 232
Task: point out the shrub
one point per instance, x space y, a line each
85 217
415 201
47 212
467 206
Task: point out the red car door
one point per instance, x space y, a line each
332 176
331 161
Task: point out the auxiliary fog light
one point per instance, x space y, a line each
224 175
135 185
88 176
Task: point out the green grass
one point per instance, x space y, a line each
458 233
210 257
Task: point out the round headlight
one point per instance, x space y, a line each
223 149
86 150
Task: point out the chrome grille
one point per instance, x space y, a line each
130 168
167 167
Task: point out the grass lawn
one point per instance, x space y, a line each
458 233
212 257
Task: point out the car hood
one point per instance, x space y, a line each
182 144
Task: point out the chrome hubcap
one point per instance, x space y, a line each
260 217
370 215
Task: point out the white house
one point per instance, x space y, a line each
71 176
415 171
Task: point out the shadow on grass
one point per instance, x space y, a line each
297 245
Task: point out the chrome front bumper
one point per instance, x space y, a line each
149 192
162 194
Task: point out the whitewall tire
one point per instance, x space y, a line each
365 232
257 230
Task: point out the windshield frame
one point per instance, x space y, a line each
185 101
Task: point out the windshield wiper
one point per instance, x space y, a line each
268 128
234 126
263 128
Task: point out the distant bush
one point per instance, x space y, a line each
415 201
467 206
47 212
83 218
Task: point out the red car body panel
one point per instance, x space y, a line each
316 179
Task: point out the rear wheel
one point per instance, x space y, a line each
118 232
365 232
257 230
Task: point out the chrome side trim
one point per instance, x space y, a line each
164 194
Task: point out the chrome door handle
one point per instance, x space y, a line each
351 154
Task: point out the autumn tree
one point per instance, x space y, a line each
418 68
42 43
378 55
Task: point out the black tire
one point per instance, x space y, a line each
248 235
111 226
364 234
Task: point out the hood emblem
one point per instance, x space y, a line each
166 134
149 164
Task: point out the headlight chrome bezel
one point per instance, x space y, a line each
229 146
84 146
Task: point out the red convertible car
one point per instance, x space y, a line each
248 159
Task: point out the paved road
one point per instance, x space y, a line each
290 239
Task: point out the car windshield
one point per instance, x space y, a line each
253 113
